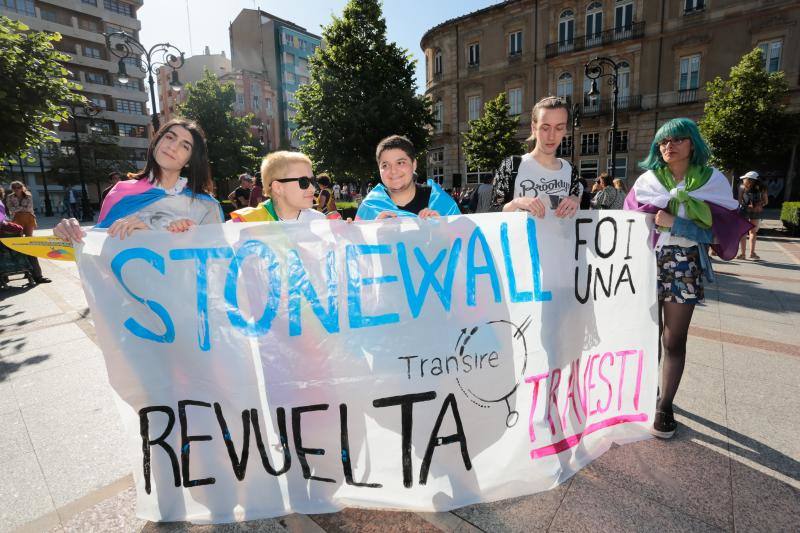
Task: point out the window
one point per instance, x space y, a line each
515 101
132 61
92 51
588 169
590 144
436 165
131 130
622 142
132 85
95 77
623 16
239 102
515 43
110 28
288 77
256 103
89 25
288 40
129 107
474 104
268 104
302 80
566 29
620 169
48 15
474 54
691 6
437 62
23 7
115 6
564 86
438 115
565 148
90 2
690 73
594 24
771 53
288 58
98 101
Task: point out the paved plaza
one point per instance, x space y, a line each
734 464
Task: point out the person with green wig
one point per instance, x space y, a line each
694 208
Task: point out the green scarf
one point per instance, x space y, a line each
270 210
696 210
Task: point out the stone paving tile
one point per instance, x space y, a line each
702 390
368 521
13 343
23 492
526 513
593 504
8 400
68 381
704 352
268 526
49 358
14 440
763 503
117 514
742 362
680 473
764 419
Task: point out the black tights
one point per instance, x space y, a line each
675 328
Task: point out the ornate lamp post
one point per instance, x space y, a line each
159 55
594 70
48 206
88 111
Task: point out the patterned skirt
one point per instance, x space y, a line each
679 275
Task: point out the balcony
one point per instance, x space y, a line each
586 42
631 102
687 96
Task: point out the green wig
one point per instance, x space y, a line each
677 127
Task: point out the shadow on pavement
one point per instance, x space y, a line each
7 368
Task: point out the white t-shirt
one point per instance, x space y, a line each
534 180
306 215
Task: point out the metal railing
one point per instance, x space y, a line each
631 102
687 96
584 42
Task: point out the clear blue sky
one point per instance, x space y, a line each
406 20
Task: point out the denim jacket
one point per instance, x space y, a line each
683 227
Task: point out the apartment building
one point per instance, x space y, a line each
254 94
666 51
124 106
261 42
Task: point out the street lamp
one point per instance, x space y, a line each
594 70
89 111
48 206
159 55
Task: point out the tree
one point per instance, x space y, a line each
100 155
232 148
745 120
362 89
492 137
33 87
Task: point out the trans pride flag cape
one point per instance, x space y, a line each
378 201
129 196
707 201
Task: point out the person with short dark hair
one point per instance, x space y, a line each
399 195
326 202
114 178
608 196
241 194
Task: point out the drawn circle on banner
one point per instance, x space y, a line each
498 354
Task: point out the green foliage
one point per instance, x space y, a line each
33 87
492 137
745 122
790 216
362 89
231 147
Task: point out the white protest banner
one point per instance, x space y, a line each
264 369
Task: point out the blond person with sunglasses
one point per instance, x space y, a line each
290 183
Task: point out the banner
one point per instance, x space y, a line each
265 369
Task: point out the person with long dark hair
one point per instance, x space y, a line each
171 193
693 208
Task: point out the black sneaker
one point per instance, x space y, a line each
664 425
42 279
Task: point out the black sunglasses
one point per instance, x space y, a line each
303 182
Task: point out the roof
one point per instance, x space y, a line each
289 24
500 5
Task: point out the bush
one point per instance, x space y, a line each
790 216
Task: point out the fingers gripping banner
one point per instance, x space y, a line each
264 369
